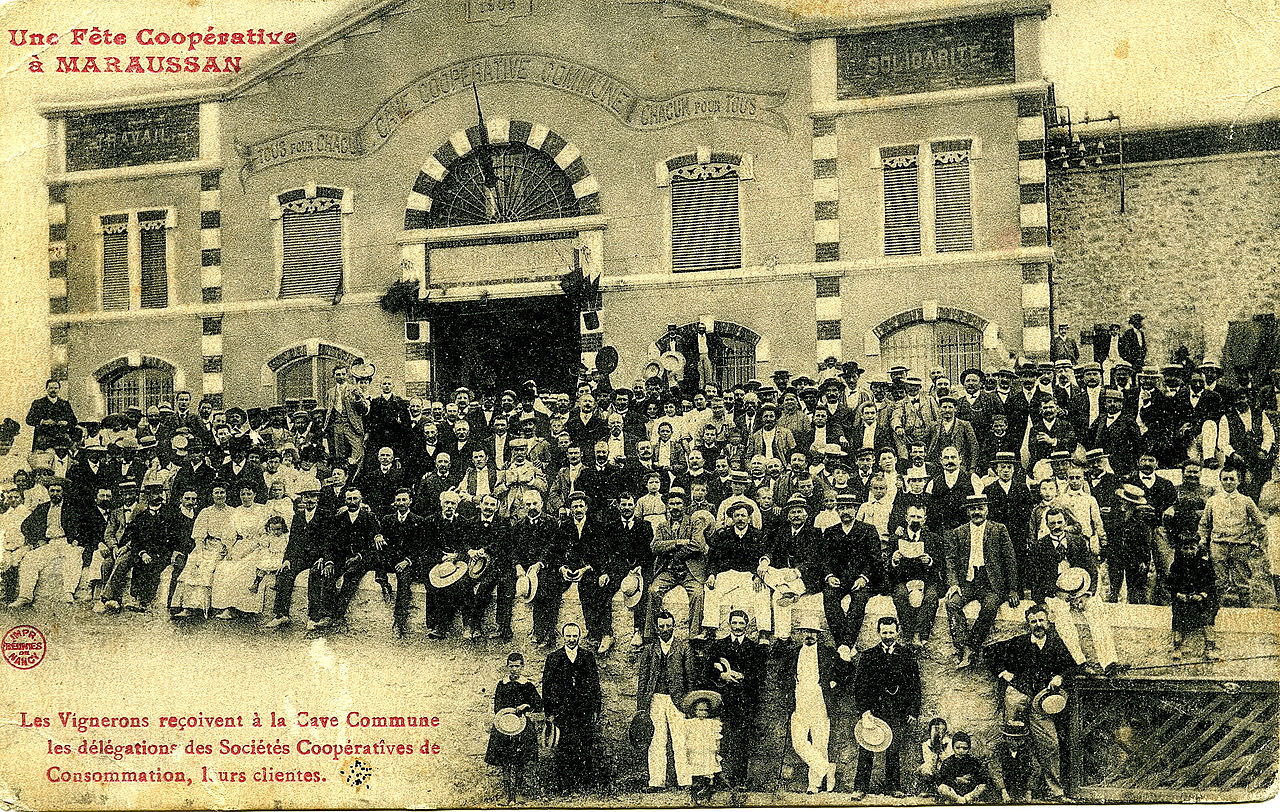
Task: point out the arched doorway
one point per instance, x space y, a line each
953 340
731 349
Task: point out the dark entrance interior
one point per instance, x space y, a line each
499 344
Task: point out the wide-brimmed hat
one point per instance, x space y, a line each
873 734
1050 701
478 565
632 589
701 696
446 574
1074 581
640 730
1132 494
527 581
509 723
1015 729
363 371
833 450
915 593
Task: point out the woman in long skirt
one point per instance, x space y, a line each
513 753
212 534
236 576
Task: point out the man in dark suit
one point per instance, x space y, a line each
240 472
917 564
356 546
1049 432
385 423
402 530
588 562
665 674
1133 342
631 539
51 417
602 480
489 540
571 698
974 404
446 539
536 541
380 481
736 667
953 432
304 552
855 569
149 542
1010 503
796 548
734 558
808 677
887 686
980 567
1063 346
1115 432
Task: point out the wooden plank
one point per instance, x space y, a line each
1190 752
1156 779
1231 761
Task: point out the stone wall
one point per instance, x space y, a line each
1195 248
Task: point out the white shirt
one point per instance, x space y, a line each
977 558
766 443
809 698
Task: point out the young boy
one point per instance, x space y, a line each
1232 529
963 778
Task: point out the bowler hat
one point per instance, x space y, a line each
640 730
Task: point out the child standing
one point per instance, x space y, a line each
702 744
1193 587
513 752
651 507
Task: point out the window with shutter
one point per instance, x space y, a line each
706 234
953 215
115 262
901 167
153 249
312 261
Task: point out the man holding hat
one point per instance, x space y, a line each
980 567
345 409
1115 432
149 542
797 556
1063 576
571 697
854 571
665 673
50 416
736 668
736 560
886 686
1029 665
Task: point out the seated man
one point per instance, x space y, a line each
680 560
46 532
797 563
736 560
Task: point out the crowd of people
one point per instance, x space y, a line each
780 508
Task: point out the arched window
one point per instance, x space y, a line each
922 345
138 387
304 374
502 183
731 349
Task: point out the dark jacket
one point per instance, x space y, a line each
747 658
631 548
998 558
728 552
908 569
681 672
804 551
888 685
1044 560
832 672
1031 666
59 411
306 543
346 538
571 690
154 533
1012 509
853 555
402 537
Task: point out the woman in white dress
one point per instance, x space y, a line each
236 575
212 534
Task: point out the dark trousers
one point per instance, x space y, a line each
179 562
444 604
320 593
286 580
739 733
352 574
916 621
597 604
1120 572
575 754
546 606
845 626
892 758
503 577
404 595
9 585
978 590
146 577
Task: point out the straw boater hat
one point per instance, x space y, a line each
527 581
873 734
446 574
1074 581
509 723
1132 494
725 670
632 589
1050 702
694 697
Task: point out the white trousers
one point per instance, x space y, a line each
810 733
668 722
1096 616
735 589
34 562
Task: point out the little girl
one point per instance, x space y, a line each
651 506
702 744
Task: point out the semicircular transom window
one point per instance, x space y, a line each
526 184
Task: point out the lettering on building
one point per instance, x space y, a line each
600 88
925 59
150 135
497 12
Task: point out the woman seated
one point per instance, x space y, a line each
236 577
212 534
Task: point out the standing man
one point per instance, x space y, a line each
50 416
1063 346
980 567
665 674
386 421
809 676
854 569
571 698
345 410
587 562
736 668
887 686
1029 664
1133 343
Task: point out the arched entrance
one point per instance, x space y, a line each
731 349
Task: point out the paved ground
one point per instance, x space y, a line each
146 665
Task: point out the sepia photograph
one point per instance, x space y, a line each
628 404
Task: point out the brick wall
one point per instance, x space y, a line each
1195 248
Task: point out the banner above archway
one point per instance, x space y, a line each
622 101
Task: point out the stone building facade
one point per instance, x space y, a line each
868 189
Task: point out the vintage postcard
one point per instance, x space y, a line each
638 403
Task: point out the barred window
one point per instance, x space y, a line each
135 259
901 169
925 344
138 388
706 233
953 215
312 255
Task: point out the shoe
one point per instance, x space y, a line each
387 594
897 793
184 613
324 623
494 635
468 634
134 606
20 603
114 606
277 622
100 609
435 634
966 659
226 614
606 643
650 790
858 795
1176 655
68 598
637 639
400 631
1211 653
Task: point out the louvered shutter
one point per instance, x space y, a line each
312 250
115 262
901 202
953 216
153 240
705 231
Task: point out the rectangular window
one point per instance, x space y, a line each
153 249
901 168
952 210
706 234
115 262
312 262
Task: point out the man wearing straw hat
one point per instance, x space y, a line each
680 560
809 676
735 561
1031 665
797 563
630 538
886 687
980 567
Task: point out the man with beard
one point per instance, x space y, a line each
736 559
797 563
437 481
666 673
1049 432
1115 432
736 668
571 698
1010 503
916 573
980 567
183 516
854 570
46 531
148 543
357 547
680 560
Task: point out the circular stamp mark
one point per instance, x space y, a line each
23 647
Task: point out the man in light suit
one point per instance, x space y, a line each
666 673
980 567
345 410
771 441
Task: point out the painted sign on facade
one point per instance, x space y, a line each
929 58
150 135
